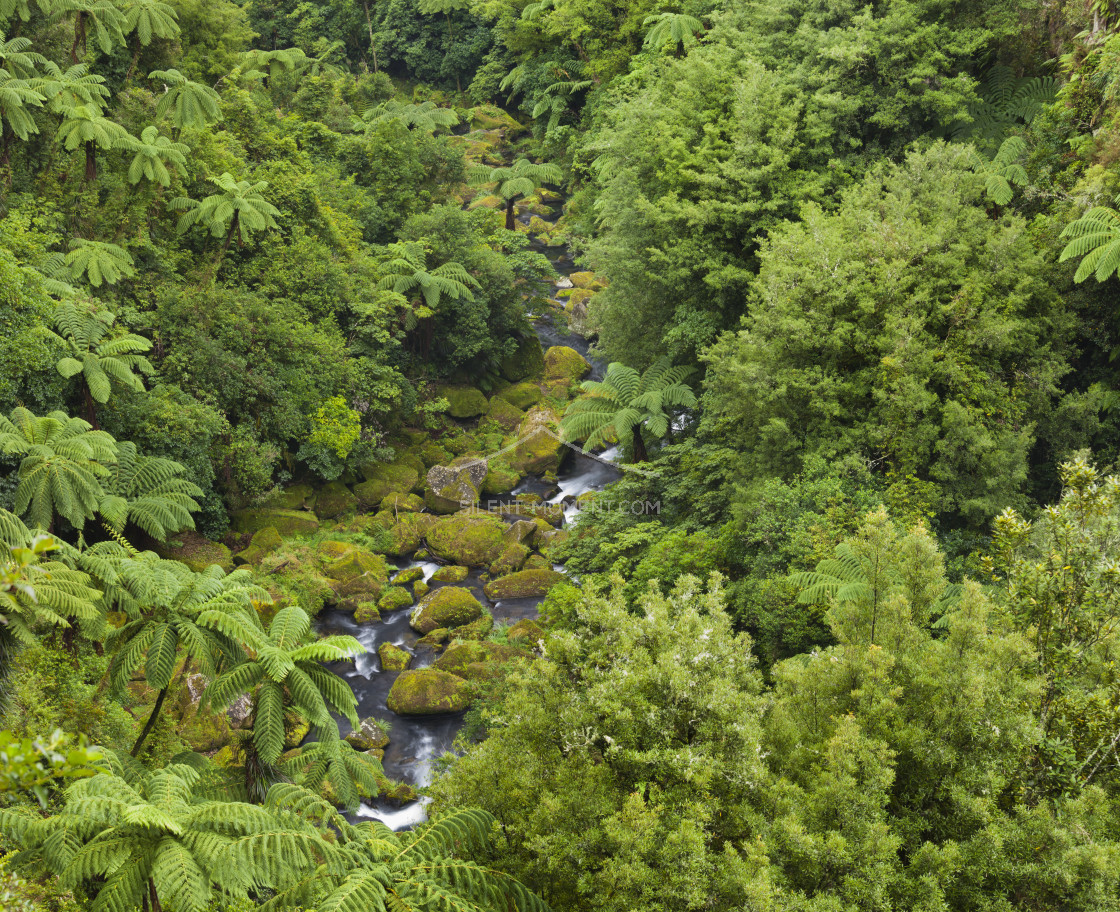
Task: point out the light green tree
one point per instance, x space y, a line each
85 127
516 181
102 16
153 154
625 403
672 30
189 104
426 116
98 354
147 20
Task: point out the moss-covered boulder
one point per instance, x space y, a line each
367 613
521 532
450 574
510 560
434 453
490 117
553 514
435 639
465 402
475 630
448 606
526 362
521 395
505 414
262 544
587 280
196 551
296 728
402 503
408 532
420 588
427 692
456 486
526 632
293 497
563 363
204 731
369 735
393 658
408 575
540 447
537 562
334 499
523 584
475 661
469 539
501 478
357 562
546 541
383 479
394 599
286 522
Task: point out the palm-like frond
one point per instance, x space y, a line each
150 492
1096 238
239 205
190 104
426 116
153 154
150 19
671 30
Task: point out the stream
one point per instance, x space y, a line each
417 741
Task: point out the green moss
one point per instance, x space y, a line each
196 551
563 363
409 531
433 454
537 562
334 499
393 658
501 477
465 402
526 362
383 479
286 522
436 638
521 532
408 575
420 588
523 584
505 414
204 731
511 559
402 503
296 728
448 606
541 447
428 691
450 574
470 540
357 562
490 117
526 632
394 598
369 735
478 660
294 497
475 630
262 544
521 395
367 613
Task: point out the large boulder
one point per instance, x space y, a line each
472 468
471 540
394 599
262 544
456 486
393 658
464 402
448 606
334 499
383 479
521 395
293 497
428 691
521 532
563 363
402 503
450 574
505 414
408 532
511 559
490 117
526 362
476 660
369 735
523 584
196 551
540 446
286 522
355 562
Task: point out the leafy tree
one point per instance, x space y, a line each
153 154
518 180
64 463
190 104
238 209
84 127
673 30
1095 237
148 19
625 402
95 352
168 606
150 841
426 116
34 764
103 16
281 670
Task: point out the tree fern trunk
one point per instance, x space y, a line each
135 58
91 409
91 162
149 725
79 36
639 445
510 224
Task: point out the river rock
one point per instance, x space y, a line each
394 599
286 522
408 575
263 543
472 540
455 486
540 446
476 661
527 361
448 606
522 395
383 479
393 658
293 497
357 562
428 691
563 363
511 559
505 414
196 551
368 736
501 477
521 532
451 574
334 499
402 503
527 632
408 532
464 402
523 584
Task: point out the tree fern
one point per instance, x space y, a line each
426 116
149 491
672 30
1095 237
1006 102
1001 171
188 104
516 181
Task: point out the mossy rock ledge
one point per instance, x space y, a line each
450 574
427 692
522 395
478 660
526 362
523 584
394 598
448 606
286 522
262 544
334 499
465 402
563 363
541 446
384 479
196 551
471 540
408 532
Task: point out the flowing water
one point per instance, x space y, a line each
417 741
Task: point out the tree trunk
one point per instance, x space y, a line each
132 66
221 253
150 723
638 444
511 224
369 25
91 162
79 37
91 409
6 154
